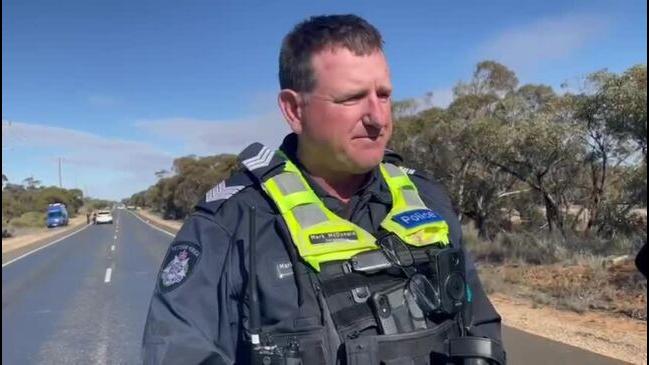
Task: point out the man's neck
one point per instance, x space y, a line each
340 185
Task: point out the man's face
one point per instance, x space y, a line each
347 117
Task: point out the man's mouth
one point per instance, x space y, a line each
373 137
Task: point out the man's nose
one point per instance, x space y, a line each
375 115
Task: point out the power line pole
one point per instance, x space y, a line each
60 181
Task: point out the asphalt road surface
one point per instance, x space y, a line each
84 299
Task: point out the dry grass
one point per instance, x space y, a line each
578 274
542 248
29 219
619 289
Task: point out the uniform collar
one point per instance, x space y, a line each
374 185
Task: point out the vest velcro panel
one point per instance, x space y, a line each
409 217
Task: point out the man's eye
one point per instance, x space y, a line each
384 97
351 101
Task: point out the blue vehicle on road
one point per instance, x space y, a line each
57 215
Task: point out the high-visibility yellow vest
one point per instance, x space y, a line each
321 236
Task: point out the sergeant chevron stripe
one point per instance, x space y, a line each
221 191
262 159
407 170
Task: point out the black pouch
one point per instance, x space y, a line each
422 347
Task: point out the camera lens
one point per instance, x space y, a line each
455 259
455 287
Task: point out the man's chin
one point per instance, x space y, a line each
364 164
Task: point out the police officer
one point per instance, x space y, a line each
328 249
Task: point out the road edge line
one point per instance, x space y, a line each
43 247
151 225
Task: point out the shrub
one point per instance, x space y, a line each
29 219
547 248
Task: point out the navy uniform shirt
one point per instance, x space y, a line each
199 312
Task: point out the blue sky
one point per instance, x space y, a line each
117 89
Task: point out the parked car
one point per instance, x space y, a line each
57 215
104 216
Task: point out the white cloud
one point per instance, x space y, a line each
208 137
544 40
98 162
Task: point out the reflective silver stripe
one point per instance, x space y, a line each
222 191
289 183
308 215
407 170
393 170
411 197
262 159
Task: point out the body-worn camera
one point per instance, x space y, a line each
436 275
447 274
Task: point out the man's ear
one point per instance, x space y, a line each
290 103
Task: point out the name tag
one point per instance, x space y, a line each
344 236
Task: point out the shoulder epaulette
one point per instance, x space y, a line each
224 190
394 158
260 160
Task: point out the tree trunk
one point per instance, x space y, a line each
481 225
460 194
553 214
598 183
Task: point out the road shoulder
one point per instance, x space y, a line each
610 335
169 226
16 246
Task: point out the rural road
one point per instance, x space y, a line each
84 299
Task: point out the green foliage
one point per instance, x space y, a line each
30 219
623 100
527 159
17 200
73 199
489 77
175 196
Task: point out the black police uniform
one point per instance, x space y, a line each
199 312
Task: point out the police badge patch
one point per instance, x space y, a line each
179 263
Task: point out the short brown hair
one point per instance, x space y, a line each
317 33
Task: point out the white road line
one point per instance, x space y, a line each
115 237
109 271
152 226
48 245
112 248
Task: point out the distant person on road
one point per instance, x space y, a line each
94 217
88 218
358 258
